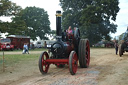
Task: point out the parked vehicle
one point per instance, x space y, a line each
32 46
19 40
38 44
107 44
43 43
5 44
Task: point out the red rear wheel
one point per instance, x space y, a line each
87 55
84 53
73 62
43 65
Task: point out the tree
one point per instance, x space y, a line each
3 27
7 8
91 16
17 27
37 22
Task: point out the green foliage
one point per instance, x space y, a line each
3 26
91 16
17 27
52 33
36 20
31 21
8 8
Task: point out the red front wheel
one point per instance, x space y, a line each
43 65
73 62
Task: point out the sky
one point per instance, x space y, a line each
51 6
122 18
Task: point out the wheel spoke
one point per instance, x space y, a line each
73 62
46 67
86 59
43 65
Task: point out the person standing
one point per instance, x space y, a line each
27 50
116 47
24 48
69 31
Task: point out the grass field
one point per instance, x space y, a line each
12 60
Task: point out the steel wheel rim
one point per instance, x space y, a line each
74 62
87 55
45 65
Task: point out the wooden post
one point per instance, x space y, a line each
3 62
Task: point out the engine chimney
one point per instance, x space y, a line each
58 23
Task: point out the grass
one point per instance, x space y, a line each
20 57
11 60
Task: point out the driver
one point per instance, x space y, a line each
69 31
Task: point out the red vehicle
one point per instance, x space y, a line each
5 44
19 40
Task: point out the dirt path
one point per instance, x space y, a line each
106 68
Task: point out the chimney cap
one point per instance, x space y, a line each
58 11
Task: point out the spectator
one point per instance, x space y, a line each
24 48
74 30
27 50
69 31
116 47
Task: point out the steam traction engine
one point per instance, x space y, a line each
123 46
67 49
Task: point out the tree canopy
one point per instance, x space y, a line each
37 22
7 8
31 21
91 16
